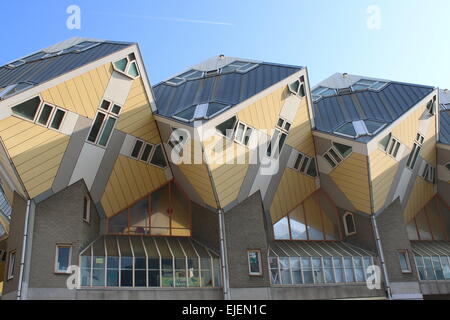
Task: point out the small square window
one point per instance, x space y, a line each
63 258
405 264
254 262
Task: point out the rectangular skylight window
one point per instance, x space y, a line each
200 111
360 127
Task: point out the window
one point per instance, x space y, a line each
415 151
349 224
243 134
431 106
227 127
27 109
127 66
158 158
178 138
239 66
390 145
63 258
322 92
364 84
429 173
11 264
104 123
278 138
337 153
359 128
405 265
15 88
305 165
254 262
297 87
201 111
87 209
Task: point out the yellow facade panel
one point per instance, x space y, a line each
421 194
351 176
300 136
292 190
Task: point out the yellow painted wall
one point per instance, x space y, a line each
421 193
300 136
228 174
264 113
292 190
407 129
130 181
36 152
429 149
81 94
383 169
352 178
136 117
197 173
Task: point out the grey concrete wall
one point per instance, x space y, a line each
355 291
205 226
150 294
245 229
59 220
14 242
364 237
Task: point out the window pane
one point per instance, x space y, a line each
27 109
158 158
113 272
121 64
137 148
253 260
429 268
132 71
285 271
105 105
307 271
107 131
240 132
63 258
118 223
57 119
45 114
116 109
281 229
96 127
147 150
227 127
126 272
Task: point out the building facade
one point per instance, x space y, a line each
233 179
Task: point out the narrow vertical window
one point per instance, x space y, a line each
254 262
349 224
104 123
403 257
57 119
63 258
87 209
11 264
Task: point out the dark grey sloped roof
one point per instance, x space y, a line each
387 105
444 126
230 89
46 69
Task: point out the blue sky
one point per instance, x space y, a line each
328 36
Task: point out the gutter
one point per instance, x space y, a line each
381 255
24 249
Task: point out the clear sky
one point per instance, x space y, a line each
404 40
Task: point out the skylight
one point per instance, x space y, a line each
189 75
364 84
321 92
201 111
239 66
358 128
14 89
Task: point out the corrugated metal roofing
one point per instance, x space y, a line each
386 106
317 249
46 69
444 126
230 89
431 248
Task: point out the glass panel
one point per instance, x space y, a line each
298 224
281 229
217 273
328 269
240 132
312 171
187 114
383 143
343 149
146 153
226 128
349 269
116 109
429 269
307 271
214 107
153 272
121 64
285 271
313 219
347 129
105 105
27 109
98 271
85 270
126 272
63 259
109 126
206 272
167 273
434 218
248 134
253 260
438 268
113 272
412 230
158 158
133 71
339 271
180 272
193 273
45 114
422 226
329 160
137 148
296 271
421 268
445 267
96 127
318 270
298 161
373 126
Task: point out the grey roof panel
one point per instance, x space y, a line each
316 249
386 105
444 127
229 88
46 69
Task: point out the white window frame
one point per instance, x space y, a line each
141 151
392 147
61 245
304 160
429 173
128 65
407 258
333 159
274 152
300 85
258 252
11 264
53 115
244 133
153 153
87 209
370 86
282 127
344 218
108 113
